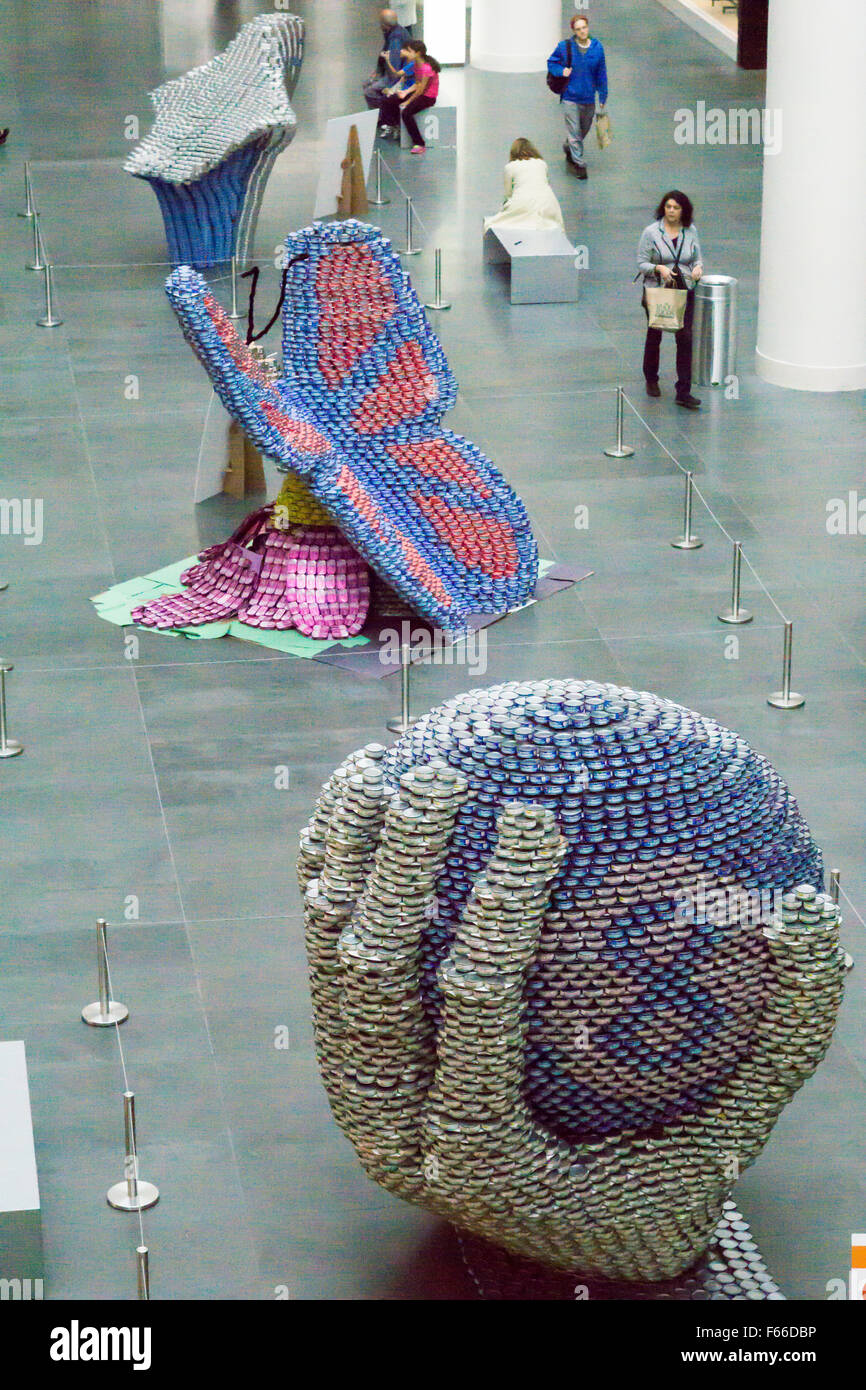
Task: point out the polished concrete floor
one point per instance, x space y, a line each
146 793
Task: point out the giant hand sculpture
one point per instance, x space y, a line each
565 968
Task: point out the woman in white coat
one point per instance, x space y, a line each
529 199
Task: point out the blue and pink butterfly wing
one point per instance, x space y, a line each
437 521
358 413
275 424
425 507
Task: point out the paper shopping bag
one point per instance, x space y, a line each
603 132
666 307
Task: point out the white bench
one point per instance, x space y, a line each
543 264
20 1217
437 124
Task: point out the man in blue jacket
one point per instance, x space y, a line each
381 78
581 60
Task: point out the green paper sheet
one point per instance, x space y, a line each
115 605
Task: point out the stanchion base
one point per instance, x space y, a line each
377 202
687 543
27 215
779 700
399 726
119 1198
35 265
437 306
416 251
11 748
4 584
624 453
92 1014
742 615
48 323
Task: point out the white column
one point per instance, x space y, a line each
514 35
445 30
812 305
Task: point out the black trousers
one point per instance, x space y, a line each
392 110
652 348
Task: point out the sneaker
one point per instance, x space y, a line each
580 170
652 388
4 134
689 402
418 149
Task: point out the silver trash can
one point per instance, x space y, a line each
715 329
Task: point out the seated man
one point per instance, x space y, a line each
382 78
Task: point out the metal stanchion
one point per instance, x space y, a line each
786 698
235 312
9 747
736 614
143 1262
409 249
378 201
404 722
37 263
131 1194
49 318
833 891
29 209
620 451
105 1011
687 541
438 301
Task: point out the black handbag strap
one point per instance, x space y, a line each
679 278
679 250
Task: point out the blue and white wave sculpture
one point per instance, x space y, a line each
217 131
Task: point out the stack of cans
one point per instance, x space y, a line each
295 505
357 413
287 575
576 964
217 131
731 1270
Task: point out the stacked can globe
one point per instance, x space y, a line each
569 1079
650 797
527 1027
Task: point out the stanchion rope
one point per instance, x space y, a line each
126 1087
415 213
725 532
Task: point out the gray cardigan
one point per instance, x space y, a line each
655 248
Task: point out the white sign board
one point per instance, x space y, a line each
336 140
19 1186
213 453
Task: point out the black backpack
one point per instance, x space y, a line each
559 84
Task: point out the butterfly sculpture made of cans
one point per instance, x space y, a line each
357 414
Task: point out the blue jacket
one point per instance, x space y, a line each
396 38
588 71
